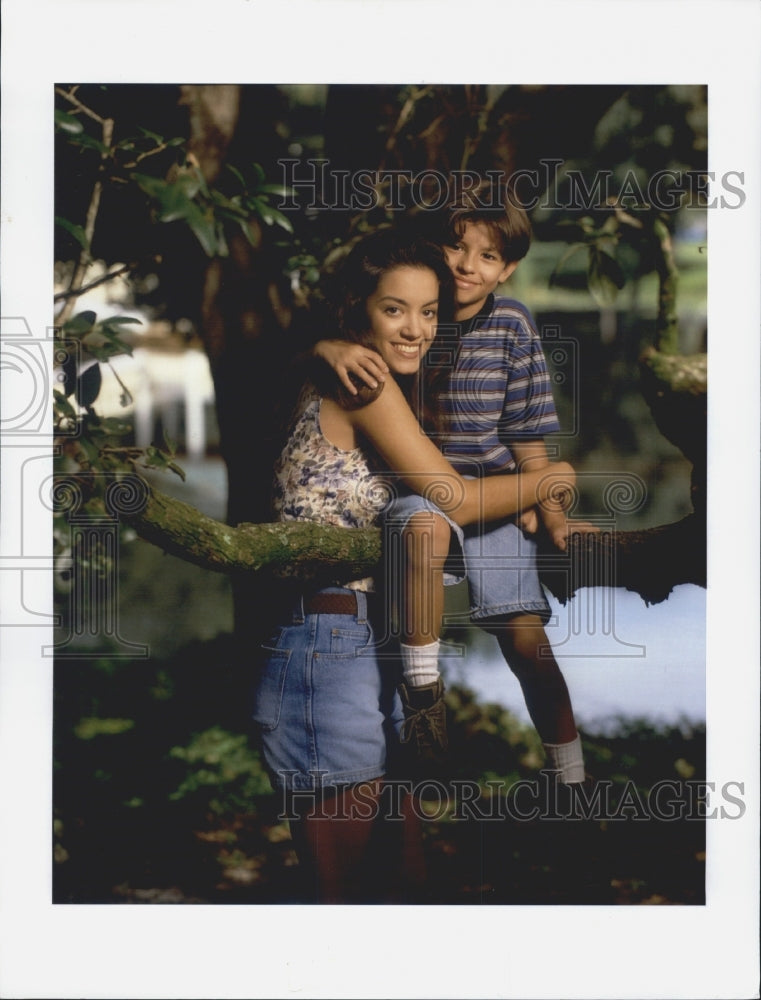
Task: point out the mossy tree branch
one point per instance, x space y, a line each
650 562
182 530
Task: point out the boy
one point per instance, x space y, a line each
496 408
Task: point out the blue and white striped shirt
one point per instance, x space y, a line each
499 389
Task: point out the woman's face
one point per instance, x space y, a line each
402 312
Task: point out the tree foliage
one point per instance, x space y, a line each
184 207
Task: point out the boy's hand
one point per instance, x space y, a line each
528 521
346 358
560 529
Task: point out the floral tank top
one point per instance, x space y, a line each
317 481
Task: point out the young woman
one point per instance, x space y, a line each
327 702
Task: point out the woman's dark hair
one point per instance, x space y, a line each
358 278
376 255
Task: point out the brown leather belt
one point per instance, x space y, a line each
331 604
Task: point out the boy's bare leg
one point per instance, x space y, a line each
426 540
526 648
426 545
521 638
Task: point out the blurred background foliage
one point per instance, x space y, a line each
159 794
161 798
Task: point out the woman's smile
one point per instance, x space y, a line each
402 313
409 350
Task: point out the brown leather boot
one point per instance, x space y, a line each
424 730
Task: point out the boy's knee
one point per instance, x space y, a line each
523 635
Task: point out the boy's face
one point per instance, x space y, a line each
478 268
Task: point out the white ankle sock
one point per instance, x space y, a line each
567 759
420 664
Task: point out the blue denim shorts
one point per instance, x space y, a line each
326 703
394 520
499 559
503 575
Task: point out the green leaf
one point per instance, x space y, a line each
64 407
88 386
153 186
281 220
115 427
607 245
246 230
68 123
222 248
155 458
89 452
237 173
158 139
76 231
112 335
604 277
175 205
260 206
123 319
203 228
81 323
89 728
278 189
229 206
564 259
189 181
90 142
69 369
102 347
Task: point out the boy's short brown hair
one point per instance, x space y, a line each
500 209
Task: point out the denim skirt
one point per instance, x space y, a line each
326 704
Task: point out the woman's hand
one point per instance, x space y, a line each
346 359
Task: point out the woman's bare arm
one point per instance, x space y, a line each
390 426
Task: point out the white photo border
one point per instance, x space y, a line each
220 951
